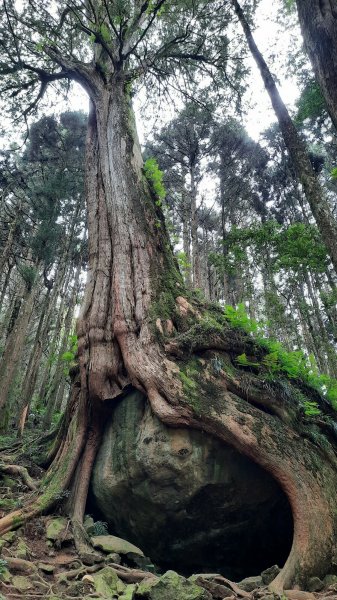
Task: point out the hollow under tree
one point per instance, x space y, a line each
138 327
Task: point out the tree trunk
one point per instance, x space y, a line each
318 20
59 371
186 211
137 330
13 350
297 150
194 231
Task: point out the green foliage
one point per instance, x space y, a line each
271 362
28 274
3 566
333 173
289 5
238 318
155 178
311 104
278 360
311 409
183 263
295 248
69 356
244 362
100 528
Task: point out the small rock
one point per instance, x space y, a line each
22 549
128 592
88 579
46 568
89 524
5 576
9 537
107 583
57 530
111 543
113 558
22 583
315 584
250 583
330 580
268 575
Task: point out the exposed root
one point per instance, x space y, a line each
21 472
83 545
61 472
19 564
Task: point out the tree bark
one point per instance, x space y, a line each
318 21
194 230
296 147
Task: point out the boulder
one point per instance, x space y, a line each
188 500
57 530
171 586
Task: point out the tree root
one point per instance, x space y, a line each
20 565
21 472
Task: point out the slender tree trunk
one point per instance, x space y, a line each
53 390
297 150
186 210
318 20
194 231
13 350
9 245
5 285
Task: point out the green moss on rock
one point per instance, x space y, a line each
171 586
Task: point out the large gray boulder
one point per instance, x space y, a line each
188 501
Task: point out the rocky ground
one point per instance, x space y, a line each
39 561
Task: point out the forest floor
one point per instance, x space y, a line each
39 559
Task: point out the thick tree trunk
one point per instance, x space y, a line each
319 205
318 20
137 330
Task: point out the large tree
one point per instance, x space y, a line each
137 328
